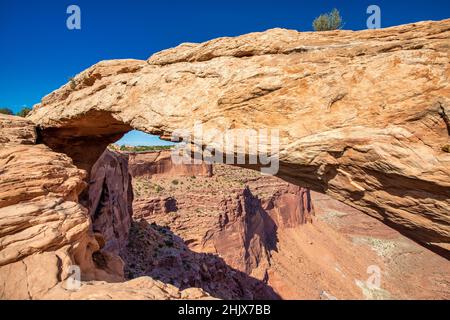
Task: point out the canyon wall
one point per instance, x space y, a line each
230 221
111 200
248 226
43 228
271 234
362 116
159 163
225 234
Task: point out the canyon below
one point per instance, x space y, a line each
359 208
250 236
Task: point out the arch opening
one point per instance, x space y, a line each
216 222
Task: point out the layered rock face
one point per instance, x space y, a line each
45 231
363 116
43 228
248 226
111 200
159 163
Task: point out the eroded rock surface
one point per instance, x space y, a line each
44 230
111 200
157 252
249 226
363 116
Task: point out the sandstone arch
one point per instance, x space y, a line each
363 116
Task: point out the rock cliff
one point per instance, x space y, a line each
111 200
44 230
248 226
159 163
363 116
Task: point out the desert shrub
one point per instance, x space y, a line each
143 148
73 83
6 111
446 148
328 21
175 182
24 112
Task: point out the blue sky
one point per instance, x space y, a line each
38 53
139 138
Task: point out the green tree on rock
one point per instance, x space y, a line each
328 21
24 112
6 111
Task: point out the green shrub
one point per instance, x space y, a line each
24 112
73 83
143 148
328 21
175 182
6 111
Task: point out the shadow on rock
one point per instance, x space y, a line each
157 252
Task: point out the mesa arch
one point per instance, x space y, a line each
363 116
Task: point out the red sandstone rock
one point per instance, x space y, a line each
235 224
147 207
377 149
111 200
159 163
44 230
249 225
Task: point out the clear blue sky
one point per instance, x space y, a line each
38 53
